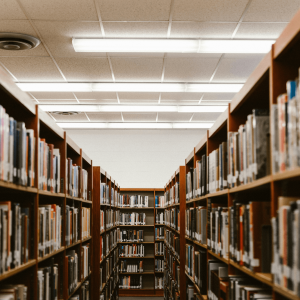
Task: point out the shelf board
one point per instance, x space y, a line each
86 239
257 183
111 228
51 254
197 199
159 272
75 290
78 199
135 225
285 292
17 187
17 270
156 224
159 255
263 277
289 174
160 207
136 257
199 244
142 208
47 193
172 229
136 273
216 194
74 244
219 124
204 297
224 260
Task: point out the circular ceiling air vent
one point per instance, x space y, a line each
17 41
66 113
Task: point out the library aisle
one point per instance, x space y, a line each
110 98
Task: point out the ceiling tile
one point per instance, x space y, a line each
32 68
85 69
137 69
53 96
202 30
81 117
102 101
139 102
209 10
136 29
139 117
10 10
105 117
139 96
189 69
21 26
63 101
174 117
271 10
96 95
181 96
218 96
179 102
237 68
260 30
58 36
205 117
135 10
84 10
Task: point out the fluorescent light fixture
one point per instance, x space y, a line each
133 108
171 45
131 87
141 125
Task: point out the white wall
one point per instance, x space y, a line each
138 158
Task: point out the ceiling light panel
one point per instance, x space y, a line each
134 108
172 45
154 125
131 87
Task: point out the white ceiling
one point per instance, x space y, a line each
56 22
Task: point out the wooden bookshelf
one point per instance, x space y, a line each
260 91
19 106
149 243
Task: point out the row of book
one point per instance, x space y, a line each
285 244
85 222
159 283
131 268
159 201
111 241
17 161
133 201
172 218
47 282
285 129
196 180
218 230
13 292
50 228
159 218
131 282
159 265
104 194
77 180
159 233
224 286
112 218
172 280
173 242
159 248
71 270
49 167
196 266
102 229
195 220
14 235
134 250
130 235
133 218
250 234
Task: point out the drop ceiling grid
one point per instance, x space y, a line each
131 18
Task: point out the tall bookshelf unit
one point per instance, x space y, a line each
19 106
261 90
109 285
149 273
